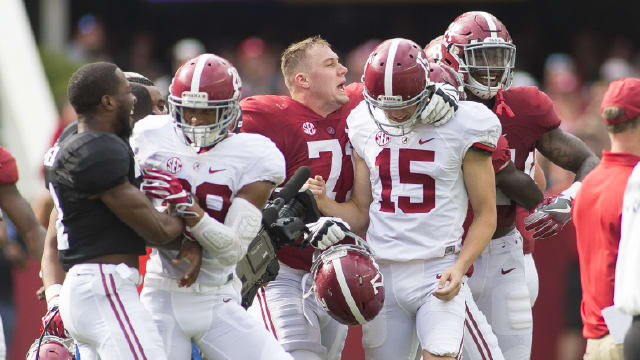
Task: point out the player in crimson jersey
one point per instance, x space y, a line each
310 129
19 211
479 46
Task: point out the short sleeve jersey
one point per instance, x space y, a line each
306 139
596 213
77 167
215 176
534 116
8 168
419 197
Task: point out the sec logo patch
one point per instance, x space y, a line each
174 165
382 139
309 128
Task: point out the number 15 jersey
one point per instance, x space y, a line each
419 197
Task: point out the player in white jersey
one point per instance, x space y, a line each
232 176
411 197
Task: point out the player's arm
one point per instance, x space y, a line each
229 241
21 214
134 209
479 180
4 233
355 211
519 187
568 152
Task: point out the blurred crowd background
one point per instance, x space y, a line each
570 49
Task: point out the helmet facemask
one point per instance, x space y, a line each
377 108
227 114
488 67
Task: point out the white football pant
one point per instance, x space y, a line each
531 274
301 325
412 315
209 316
101 309
3 346
499 287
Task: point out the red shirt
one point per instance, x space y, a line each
306 138
8 168
597 213
534 117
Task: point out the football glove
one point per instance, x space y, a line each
442 106
550 217
183 203
159 184
326 232
52 323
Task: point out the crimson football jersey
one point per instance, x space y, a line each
534 116
8 167
306 139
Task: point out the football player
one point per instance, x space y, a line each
309 127
103 221
410 196
232 175
19 211
478 45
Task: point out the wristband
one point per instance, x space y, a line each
52 294
572 190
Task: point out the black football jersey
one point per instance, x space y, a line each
77 167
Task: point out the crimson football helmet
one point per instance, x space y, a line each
396 81
347 281
484 51
52 348
206 82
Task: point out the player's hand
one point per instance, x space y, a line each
40 293
159 184
190 251
450 283
550 217
318 188
185 206
442 106
52 323
326 232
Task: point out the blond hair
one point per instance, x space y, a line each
296 55
612 113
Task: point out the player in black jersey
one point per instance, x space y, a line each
103 221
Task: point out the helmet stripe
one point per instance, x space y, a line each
197 73
337 266
388 69
492 25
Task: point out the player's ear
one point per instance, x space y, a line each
301 80
108 102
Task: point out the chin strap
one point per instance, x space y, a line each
501 106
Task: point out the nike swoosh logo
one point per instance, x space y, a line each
566 210
424 141
505 272
212 171
226 300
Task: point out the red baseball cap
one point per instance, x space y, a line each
625 94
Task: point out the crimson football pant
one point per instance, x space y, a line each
300 324
101 309
500 290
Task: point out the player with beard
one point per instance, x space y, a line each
103 221
309 127
478 45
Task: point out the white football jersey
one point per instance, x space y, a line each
214 177
419 197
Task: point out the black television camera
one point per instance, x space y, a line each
283 223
